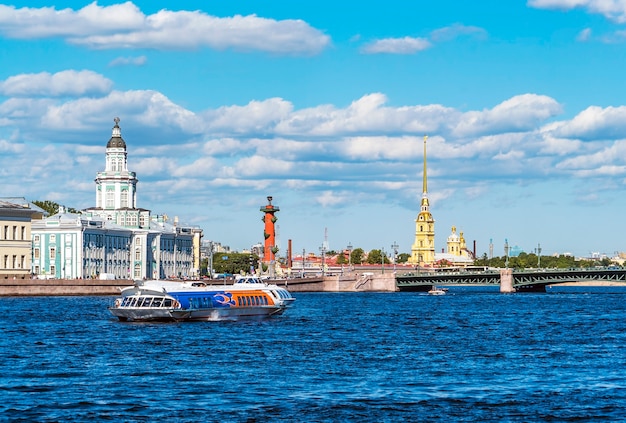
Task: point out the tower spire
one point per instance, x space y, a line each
423 249
425 185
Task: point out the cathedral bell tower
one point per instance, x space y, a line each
423 249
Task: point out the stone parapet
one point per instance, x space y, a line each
61 287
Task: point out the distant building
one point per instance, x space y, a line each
423 249
16 215
456 253
115 237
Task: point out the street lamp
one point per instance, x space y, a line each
506 252
395 246
303 252
323 251
350 255
538 255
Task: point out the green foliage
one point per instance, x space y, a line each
531 261
341 259
357 256
376 257
233 262
403 257
52 208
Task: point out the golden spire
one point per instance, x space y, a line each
425 187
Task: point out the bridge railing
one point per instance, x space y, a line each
520 277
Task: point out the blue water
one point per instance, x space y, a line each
473 355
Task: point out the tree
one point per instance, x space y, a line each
233 262
341 259
403 257
376 257
51 207
357 256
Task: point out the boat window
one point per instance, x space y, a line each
273 294
167 302
157 302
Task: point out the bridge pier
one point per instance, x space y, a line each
506 281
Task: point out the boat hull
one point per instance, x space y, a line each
197 301
142 314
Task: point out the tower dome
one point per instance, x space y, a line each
116 140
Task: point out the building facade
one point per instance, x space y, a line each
16 215
115 239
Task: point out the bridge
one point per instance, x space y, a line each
534 280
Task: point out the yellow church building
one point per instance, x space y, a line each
423 249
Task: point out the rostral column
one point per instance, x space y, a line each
269 233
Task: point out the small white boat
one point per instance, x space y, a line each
437 291
158 300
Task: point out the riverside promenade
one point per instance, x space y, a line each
61 287
354 282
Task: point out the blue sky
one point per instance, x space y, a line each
323 105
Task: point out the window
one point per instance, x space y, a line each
14 232
6 232
6 262
53 253
124 198
53 238
23 232
110 199
36 253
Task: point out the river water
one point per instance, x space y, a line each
472 355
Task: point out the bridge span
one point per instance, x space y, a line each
510 280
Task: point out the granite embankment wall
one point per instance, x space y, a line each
60 287
354 282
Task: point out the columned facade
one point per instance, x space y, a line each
115 238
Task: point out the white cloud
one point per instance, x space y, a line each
149 108
584 35
520 113
129 61
614 10
594 123
405 45
9 147
457 30
256 116
367 114
65 83
330 199
125 26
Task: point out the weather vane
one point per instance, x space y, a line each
116 120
